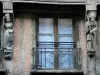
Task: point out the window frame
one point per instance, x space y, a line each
55 23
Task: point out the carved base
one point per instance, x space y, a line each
8 54
3 71
91 53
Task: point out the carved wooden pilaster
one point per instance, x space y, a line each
7 29
7 36
91 27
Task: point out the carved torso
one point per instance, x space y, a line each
8 36
90 26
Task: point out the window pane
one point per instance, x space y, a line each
65 33
46 58
65 49
46 25
65 26
46 53
66 38
46 39
66 59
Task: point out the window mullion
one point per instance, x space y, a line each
56 53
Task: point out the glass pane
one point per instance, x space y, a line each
46 38
46 58
46 53
65 26
66 38
65 33
65 59
46 25
65 49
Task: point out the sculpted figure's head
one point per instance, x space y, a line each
7 16
91 16
8 24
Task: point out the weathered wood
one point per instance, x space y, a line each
91 27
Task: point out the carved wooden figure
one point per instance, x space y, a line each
8 36
91 27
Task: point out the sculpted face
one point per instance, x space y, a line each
91 16
8 19
8 24
7 16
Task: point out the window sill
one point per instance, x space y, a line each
57 71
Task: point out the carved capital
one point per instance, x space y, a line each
91 5
7 7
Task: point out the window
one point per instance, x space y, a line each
55 44
65 35
46 34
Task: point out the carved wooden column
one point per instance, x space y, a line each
91 27
7 29
7 35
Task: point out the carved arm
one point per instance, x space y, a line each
93 30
